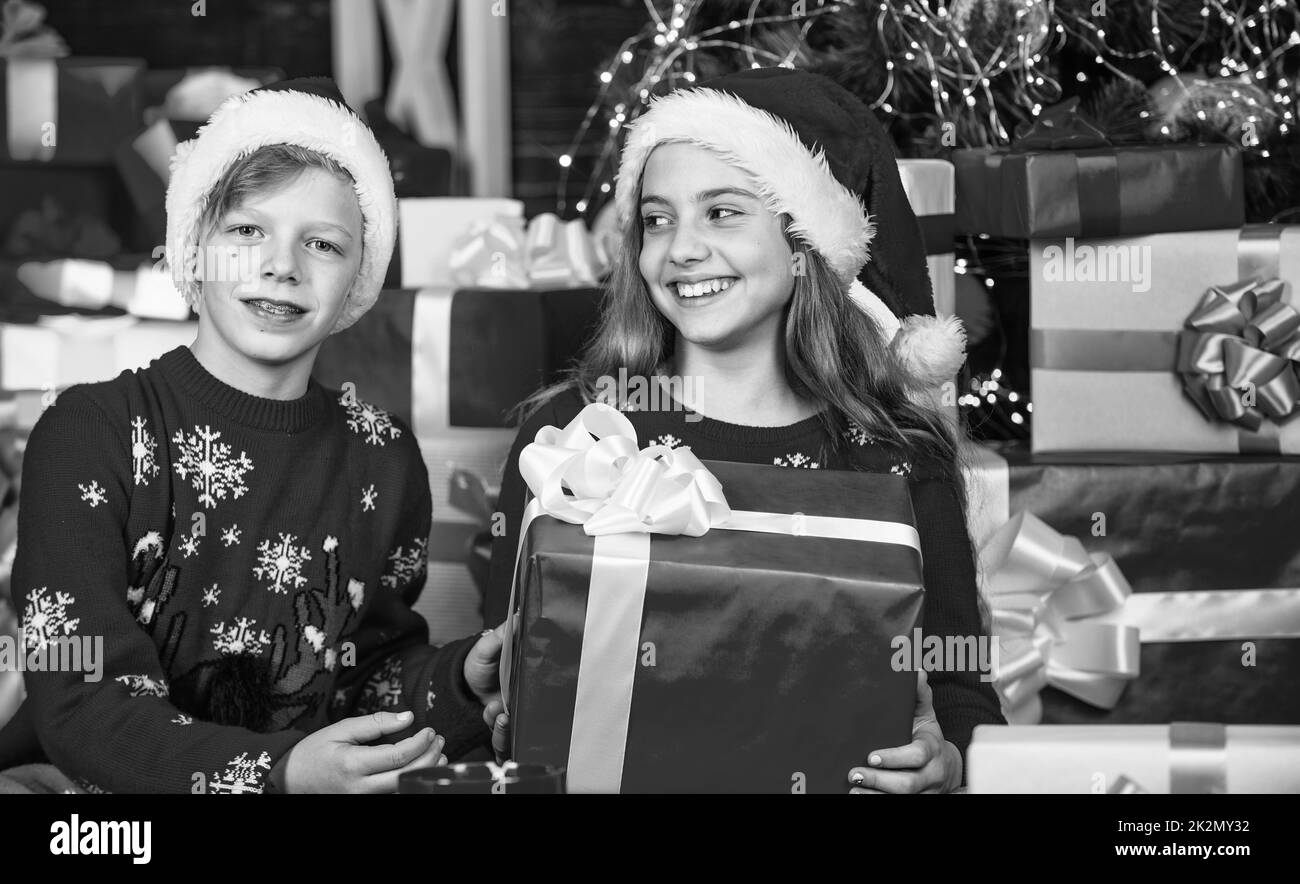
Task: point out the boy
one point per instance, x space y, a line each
247 544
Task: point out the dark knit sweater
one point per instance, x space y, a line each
250 564
961 700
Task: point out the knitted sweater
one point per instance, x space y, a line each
250 565
961 699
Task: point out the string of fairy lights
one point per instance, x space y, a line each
927 41
981 66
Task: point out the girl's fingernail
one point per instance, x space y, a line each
405 715
856 778
874 760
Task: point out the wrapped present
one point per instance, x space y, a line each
1064 178
546 254
443 357
191 94
429 227
1177 758
452 601
929 185
1172 342
177 103
70 111
692 627
59 351
1140 588
145 290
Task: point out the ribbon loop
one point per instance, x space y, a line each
1239 354
1049 597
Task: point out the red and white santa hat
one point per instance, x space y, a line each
817 154
308 112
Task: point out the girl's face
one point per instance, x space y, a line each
292 256
715 260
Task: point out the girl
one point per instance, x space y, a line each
246 545
744 285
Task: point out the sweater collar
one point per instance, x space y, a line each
256 412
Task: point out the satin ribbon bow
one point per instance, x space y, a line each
1241 336
1059 127
490 254
591 473
23 33
1055 612
561 255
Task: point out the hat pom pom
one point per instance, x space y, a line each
930 348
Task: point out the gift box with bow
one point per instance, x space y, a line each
1140 588
447 357
55 109
1063 177
1172 342
177 103
1181 758
701 627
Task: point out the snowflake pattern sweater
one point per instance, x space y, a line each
250 564
961 700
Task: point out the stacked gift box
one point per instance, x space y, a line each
1136 552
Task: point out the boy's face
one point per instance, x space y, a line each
713 257
285 261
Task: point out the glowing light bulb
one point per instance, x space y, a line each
627 56
606 77
582 205
566 160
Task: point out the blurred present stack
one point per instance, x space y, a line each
1137 550
489 309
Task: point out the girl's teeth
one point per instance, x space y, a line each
705 287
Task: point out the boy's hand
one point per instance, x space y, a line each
334 759
928 764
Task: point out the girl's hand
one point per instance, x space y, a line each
482 667
334 759
496 718
928 764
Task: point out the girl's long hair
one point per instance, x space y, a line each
835 355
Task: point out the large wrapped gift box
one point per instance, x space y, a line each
1177 758
1207 546
1098 192
750 662
69 111
1159 343
443 357
59 351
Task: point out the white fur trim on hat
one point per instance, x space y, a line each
930 348
792 179
247 122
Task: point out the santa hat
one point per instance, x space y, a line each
308 113
818 155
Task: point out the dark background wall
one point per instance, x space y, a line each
557 50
